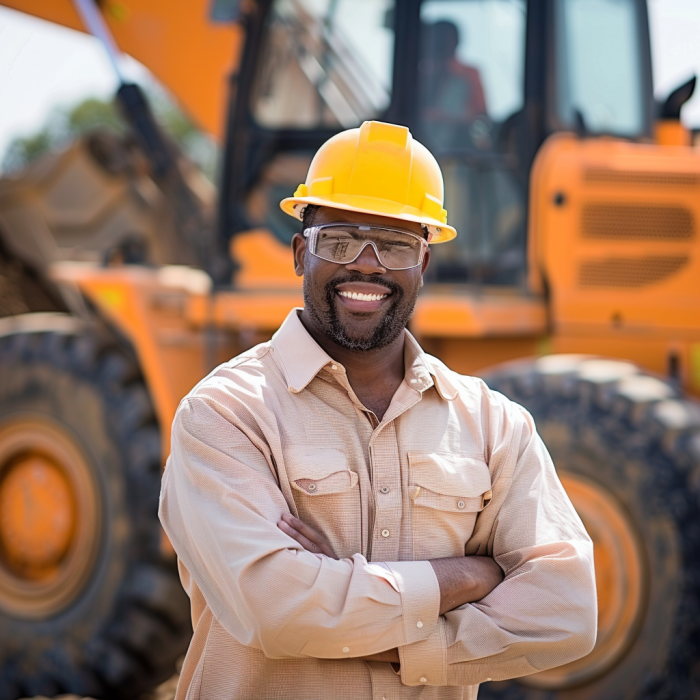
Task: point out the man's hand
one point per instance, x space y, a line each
465 580
306 536
461 579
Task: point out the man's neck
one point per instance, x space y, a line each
374 375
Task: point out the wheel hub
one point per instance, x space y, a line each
37 515
49 525
620 581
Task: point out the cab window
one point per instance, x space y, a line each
326 64
471 92
598 59
471 70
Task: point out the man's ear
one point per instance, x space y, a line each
299 250
424 265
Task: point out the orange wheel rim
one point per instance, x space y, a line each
49 524
620 580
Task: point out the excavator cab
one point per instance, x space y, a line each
481 82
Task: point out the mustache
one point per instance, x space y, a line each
395 289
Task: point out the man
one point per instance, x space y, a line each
324 487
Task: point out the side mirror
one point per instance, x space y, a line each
671 109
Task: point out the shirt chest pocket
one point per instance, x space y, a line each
327 495
448 491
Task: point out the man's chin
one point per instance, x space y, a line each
355 339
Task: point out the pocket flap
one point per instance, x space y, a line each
450 481
318 470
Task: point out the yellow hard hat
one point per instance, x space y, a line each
377 169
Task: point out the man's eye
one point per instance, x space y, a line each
337 239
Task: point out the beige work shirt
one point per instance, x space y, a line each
452 468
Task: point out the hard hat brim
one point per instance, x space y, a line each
437 231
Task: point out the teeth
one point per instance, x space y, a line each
363 297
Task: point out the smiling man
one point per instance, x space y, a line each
351 518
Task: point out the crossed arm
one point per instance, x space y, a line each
220 504
461 579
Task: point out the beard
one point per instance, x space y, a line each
326 318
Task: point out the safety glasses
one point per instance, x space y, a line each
343 243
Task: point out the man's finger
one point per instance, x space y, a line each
305 542
320 547
310 534
304 529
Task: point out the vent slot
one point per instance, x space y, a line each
633 222
640 177
629 273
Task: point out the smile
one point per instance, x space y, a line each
363 297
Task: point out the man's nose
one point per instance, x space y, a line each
367 262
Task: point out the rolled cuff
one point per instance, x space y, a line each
420 598
425 662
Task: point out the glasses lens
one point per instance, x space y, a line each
342 244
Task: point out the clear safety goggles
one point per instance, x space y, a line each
343 243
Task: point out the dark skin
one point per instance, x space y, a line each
374 375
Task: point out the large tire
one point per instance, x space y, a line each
88 603
627 448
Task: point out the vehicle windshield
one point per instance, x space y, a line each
471 86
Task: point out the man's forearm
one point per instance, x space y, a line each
461 580
465 580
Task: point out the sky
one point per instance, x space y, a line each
43 66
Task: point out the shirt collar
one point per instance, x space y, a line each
424 371
301 358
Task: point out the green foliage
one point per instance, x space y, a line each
93 114
64 125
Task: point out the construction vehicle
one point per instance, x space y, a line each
125 279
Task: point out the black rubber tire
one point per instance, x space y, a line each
130 623
643 448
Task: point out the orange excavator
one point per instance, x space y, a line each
572 288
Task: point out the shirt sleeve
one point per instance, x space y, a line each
220 504
544 612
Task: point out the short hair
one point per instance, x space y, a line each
307 218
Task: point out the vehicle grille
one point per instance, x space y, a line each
637 222
629 272
639 177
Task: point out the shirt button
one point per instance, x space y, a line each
488 679
311 487
385 533
460 504
423 679
346 650
384 489
419 624
334 366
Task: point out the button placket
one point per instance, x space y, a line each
386 479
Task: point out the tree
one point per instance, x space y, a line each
64 125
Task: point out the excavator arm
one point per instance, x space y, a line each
179 42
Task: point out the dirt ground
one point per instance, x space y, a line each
165 691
